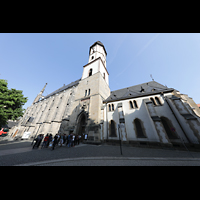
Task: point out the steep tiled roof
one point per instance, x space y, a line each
63 88
100 43
143 89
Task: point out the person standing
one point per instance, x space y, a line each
69 140
40 140
36 141
45 141
49 140
64 138
77 139
55 141
61 140
73 139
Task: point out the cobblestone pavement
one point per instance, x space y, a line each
21 153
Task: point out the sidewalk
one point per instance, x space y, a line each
118 161
22 154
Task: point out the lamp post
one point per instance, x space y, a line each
120 142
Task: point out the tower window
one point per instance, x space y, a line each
157 100
109 107
135 104
92 57
131 104
85 92
104 75
153 101
90 72
113 107
88 92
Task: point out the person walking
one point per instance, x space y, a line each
45 141
55 141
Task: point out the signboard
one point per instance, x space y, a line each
26 135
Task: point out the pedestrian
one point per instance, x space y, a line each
36 141
73 137
58 140
69 140
55 141
40 140
64 138
61 140
45 141
77 139
49 140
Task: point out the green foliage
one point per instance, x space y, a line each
11 102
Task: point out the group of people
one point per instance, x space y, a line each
70 141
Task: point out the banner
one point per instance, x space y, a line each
26 135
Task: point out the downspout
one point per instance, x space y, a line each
176 119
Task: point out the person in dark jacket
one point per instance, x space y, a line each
38 141
55 141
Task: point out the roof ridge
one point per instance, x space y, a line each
136 85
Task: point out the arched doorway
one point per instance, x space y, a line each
81 125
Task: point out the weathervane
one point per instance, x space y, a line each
151 77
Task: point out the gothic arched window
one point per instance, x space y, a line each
169 128
112 129
131 104
135 104
139 130
153 101
113 107
109 107
157 100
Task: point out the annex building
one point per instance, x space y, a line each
148 113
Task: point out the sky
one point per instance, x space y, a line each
29 60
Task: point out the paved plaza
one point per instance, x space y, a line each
20 153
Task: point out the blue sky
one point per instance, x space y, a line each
29 60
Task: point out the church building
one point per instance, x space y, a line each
146 114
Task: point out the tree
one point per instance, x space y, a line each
11 102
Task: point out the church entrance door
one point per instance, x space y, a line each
81 126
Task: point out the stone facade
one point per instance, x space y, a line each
149 113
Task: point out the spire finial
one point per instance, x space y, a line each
151 77
40 94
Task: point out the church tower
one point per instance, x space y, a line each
93 88
96 62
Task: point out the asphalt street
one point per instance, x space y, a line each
21 153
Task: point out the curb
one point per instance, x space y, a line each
107 158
